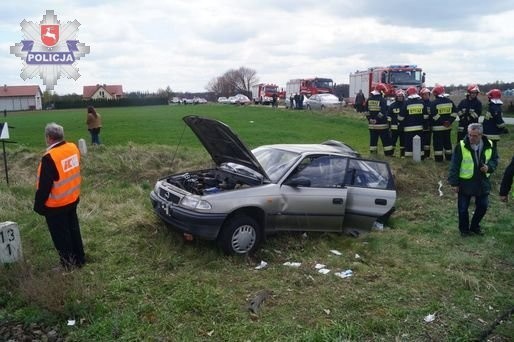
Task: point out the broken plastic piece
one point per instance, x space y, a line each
429 318
262 265
344 274
333 251
292 264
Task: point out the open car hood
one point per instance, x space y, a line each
222 144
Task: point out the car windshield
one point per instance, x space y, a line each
323 83
328 97
275 161
405 77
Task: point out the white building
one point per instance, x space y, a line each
13 98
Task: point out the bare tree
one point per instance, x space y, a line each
233 81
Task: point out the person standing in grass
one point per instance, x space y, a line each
473 160
94 124
57 195
506 185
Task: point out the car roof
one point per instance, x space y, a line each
310 148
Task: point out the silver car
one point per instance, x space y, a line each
322 101
323 187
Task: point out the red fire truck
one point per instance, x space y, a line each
393 76
308 87
263 93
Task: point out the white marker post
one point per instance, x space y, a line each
10 242
416 148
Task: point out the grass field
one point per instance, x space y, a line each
144 282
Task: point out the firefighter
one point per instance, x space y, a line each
427 129
469 109
443 113
412 119
394 111
493 120
376 113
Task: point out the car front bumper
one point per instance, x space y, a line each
202 225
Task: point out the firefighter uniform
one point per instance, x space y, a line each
412 119
396 130
378 125
57 197
493 121
469 109
443 113
427 130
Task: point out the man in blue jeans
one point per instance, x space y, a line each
474 159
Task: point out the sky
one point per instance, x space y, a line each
149 45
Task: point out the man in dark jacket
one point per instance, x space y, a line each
506 185
57 195
474 159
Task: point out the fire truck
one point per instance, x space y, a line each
393 76
308 87
263 93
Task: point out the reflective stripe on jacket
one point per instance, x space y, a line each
467 165
66 190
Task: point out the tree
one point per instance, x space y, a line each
234 81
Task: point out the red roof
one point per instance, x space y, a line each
113 90
29 90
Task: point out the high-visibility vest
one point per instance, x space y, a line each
467 166
66 190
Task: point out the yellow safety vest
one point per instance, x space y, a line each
467 166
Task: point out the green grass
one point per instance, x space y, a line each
144 282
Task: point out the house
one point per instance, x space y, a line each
14 98
102 91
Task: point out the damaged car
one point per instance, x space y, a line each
248 194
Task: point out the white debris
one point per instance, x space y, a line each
71 322
327 311
357 256
292 264
318 266
344 274
429 318
378 226
324 270
262 265
439 189
305 236
333 251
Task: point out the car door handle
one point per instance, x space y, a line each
337 201
380 201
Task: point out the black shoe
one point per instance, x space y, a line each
465 234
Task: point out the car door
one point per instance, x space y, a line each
313 197
371 193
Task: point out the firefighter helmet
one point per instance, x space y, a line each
438 90
494 94
424 91
381 88
412 91
473 88
399 92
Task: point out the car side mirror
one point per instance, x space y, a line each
298 181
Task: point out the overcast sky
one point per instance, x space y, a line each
146 45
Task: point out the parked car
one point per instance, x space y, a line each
222 99
324 187
322 101
239 99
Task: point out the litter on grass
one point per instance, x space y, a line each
429 318
262 265
336 252
292 264
344 274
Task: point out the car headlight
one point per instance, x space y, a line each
195 203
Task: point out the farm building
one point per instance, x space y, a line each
102 91
14 98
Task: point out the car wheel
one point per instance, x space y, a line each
240 235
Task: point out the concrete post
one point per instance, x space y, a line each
82 147
416 148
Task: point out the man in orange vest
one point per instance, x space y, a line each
57 195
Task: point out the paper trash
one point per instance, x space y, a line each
292 264
262 265
344 274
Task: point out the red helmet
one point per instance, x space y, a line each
412 91
381 87
473 88
424 91
438 90
494 94
399 92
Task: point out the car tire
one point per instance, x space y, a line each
240 235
